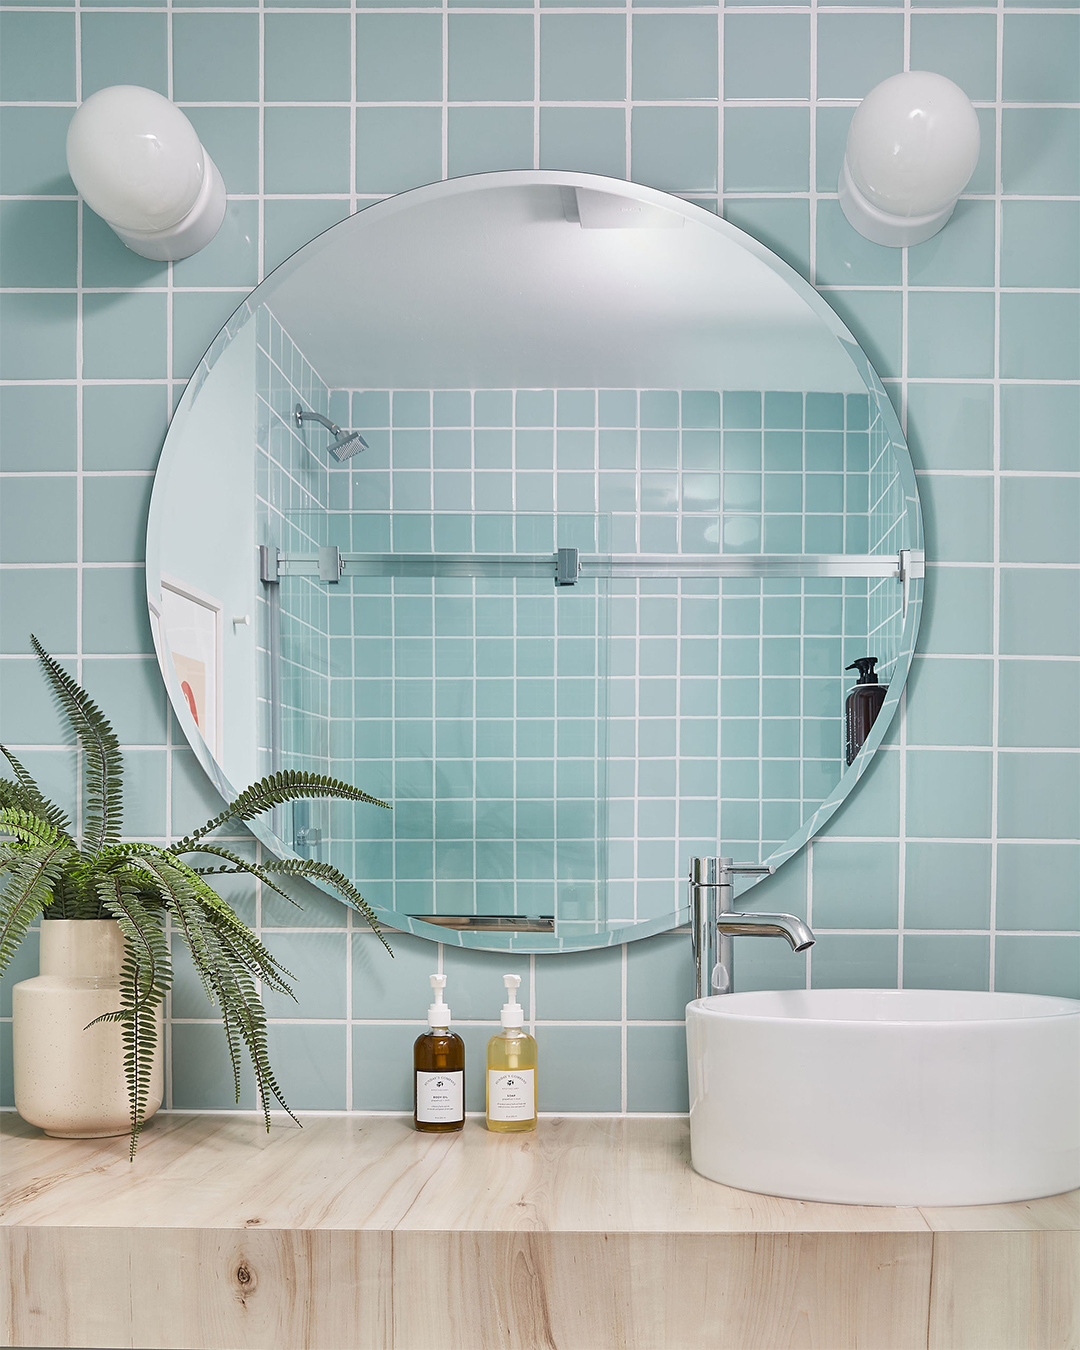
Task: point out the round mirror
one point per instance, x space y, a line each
550 509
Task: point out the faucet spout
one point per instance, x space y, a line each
787 926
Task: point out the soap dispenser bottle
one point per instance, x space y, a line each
439 1065
863 704
511 1069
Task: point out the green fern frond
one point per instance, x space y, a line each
28 891
238 865
324 871
101 751
145 978
28 828
274 790
30 796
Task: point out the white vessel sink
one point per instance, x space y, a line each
886 1097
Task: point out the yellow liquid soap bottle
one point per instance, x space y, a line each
511 1069
438 1071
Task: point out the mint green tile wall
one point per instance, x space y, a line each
963 834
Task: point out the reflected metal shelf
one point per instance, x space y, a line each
491 923
568 566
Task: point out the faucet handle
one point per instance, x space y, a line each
752 869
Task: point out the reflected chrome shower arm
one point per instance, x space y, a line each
301 415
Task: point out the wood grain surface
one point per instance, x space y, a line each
591 1234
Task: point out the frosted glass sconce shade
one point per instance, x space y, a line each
137 161
911 148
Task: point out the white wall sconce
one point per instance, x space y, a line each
138 162
911 148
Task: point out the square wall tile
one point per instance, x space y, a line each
37 337
1040 243
766 149
44 597
947 961
948 794
37 428
1040 612
674 149
317 962
32 150
124 336
588 140
397 987
766 56
288 225
1038 427
675 56
845 258
1038 795
216 58
949 702
951 334
37 57
399 58
855 884
482 140
1040 64
38 244
231 136
1038 965
309 1063
232 256
656 1070
1040 150
581 1068
1039 704
580 986
114 615
202 1076
951 426
114 517
659 978
962 47
1038 885
306 58
957 610
582 57
1040 336
854 961
855 52
306 149
107 261
490 57
398 148
958 516
383 1067
946 885
124 49
962 255
1038 520
26 503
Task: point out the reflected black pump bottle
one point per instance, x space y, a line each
863 704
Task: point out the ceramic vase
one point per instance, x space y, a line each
69 1077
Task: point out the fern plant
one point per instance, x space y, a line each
50 872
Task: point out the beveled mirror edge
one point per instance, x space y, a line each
912 539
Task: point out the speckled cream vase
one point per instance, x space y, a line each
69 1080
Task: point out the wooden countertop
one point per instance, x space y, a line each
376 1174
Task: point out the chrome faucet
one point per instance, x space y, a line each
714 922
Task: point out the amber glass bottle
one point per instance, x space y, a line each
863 704
438 1071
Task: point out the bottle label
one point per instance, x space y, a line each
511 1094
440 1097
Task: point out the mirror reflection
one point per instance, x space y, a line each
551 510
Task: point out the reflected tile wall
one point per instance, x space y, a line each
967 824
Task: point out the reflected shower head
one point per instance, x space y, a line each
345 443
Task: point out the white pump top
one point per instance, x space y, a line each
438 1015
512 1013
